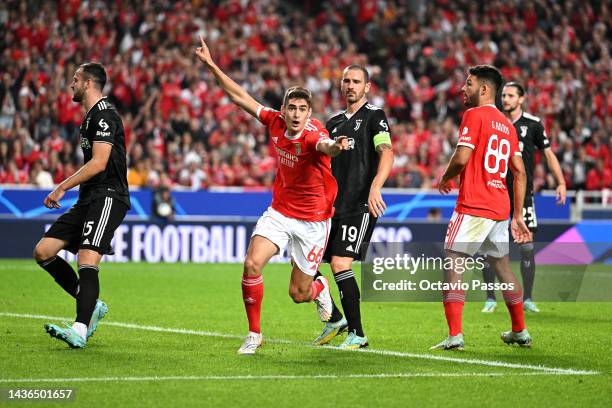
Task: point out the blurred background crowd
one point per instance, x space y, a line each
181 130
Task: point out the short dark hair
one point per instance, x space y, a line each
361 68
489 74
298 92
519 87
96 72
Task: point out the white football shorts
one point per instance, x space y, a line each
305 241
468 234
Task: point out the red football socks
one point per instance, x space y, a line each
514 303
252 295
453 309
315 288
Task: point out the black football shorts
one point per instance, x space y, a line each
529 213
90 226
350 236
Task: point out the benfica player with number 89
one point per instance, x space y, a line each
487 149
303 196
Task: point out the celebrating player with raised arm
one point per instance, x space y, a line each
531 136
360 173
487 149
88 227
303 195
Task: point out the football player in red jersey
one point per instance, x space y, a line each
487 149
303 195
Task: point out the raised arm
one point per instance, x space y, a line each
236 93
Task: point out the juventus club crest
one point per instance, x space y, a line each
357 124
523 131
298 148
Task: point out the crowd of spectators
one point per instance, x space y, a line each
181 130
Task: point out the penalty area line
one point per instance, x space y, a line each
480 362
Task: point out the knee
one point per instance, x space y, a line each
299 295
527 249
41 253
341 265
251 268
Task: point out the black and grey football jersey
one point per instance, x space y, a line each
531 136
102 124
354 169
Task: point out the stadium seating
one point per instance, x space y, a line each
182 130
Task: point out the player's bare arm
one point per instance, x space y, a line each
520 232
100 154
376 203
555 168
333 148
455 167
236 93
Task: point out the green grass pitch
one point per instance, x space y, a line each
130 363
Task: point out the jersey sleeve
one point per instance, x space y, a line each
469 130
266 115
103 127
379 128
539 137
317 136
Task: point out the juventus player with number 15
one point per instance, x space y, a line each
88 227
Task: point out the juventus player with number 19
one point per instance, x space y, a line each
88 227
361 173
302 200
487 149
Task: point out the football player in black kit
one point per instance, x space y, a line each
88 227
531 136
360 172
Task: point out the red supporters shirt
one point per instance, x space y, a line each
304 187
483 191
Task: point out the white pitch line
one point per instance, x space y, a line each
143 327
488 363
265 377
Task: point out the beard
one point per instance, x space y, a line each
78 95
471 100
510 109
354 97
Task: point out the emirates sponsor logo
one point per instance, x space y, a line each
496 184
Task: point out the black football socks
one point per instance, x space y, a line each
63 274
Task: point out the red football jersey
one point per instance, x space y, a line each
483 191
304 187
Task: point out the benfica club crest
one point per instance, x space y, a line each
298 148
